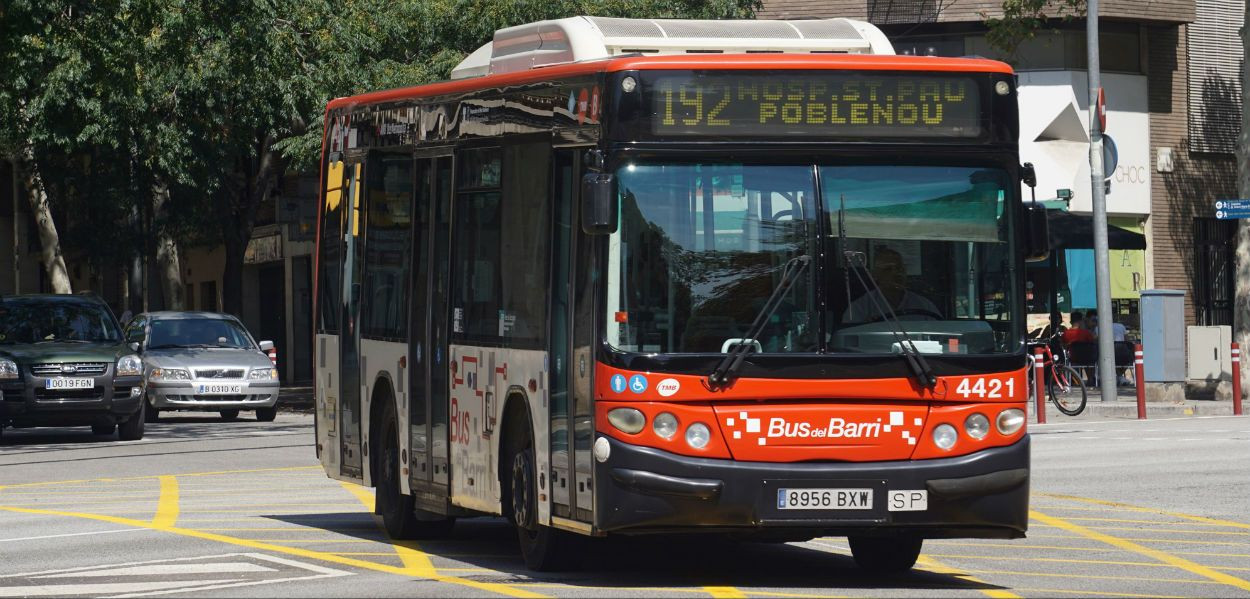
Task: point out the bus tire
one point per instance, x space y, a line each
544 549
398 511
885 555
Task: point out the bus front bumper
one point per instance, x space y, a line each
645 490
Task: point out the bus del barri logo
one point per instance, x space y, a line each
836 427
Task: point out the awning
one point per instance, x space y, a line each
1070 231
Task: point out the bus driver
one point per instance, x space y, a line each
890 272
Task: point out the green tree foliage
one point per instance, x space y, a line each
1022 19
216 99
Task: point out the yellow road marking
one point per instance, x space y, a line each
1069 592
932 565
1052 559
725 592
167 506
1134 508
317 541
296 551
1170 531
417 562
1128 545
82 481
1096 577
1059 547
1130 521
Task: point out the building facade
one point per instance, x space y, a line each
1170 73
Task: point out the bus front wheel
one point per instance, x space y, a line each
885 555
544 549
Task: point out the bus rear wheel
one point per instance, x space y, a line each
399 515
885 555
544 549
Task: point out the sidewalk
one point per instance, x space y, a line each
1125 406
296 399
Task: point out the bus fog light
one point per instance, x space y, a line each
628 420
977 426
944 436
698 435
602 450
1010 421
665 425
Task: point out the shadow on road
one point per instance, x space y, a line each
649 561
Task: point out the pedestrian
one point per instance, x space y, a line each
1077 333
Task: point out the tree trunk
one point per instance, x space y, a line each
237 207
50 252
167 252
1241 294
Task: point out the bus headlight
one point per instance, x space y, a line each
628 420
698 435
665 425
1010 421
977 426
944 436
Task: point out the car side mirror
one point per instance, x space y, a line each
266 345
1036 232
134 345
600 213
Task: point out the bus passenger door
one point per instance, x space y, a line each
349 347
571 356
428 338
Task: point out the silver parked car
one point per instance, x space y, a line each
203 361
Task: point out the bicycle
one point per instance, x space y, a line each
1064 385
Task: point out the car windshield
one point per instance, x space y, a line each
32 321
701 248
198 332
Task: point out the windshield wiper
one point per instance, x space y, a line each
919 366
728 368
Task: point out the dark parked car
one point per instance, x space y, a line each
63 362
203 361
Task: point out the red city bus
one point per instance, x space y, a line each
634 276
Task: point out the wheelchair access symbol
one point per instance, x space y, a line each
637 383
618 383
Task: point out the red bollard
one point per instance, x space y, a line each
1139 373
273 356
1236 354
1039 373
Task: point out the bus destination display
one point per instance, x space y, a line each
835 104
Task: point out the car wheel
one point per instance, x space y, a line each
885 555
266 414
102 429
150 414
132 430
229 415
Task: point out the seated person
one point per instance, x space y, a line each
1077 333
890 272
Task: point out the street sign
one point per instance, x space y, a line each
1102 111
1110 156
1232 209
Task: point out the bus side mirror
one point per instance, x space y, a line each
600 215
1036 232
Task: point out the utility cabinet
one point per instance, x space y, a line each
1163 335
1210 358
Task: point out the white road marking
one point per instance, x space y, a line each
167 570
58 590
76 534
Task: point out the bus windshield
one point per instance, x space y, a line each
701 248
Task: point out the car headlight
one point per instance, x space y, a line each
8 370
129 366
263 374
170 374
